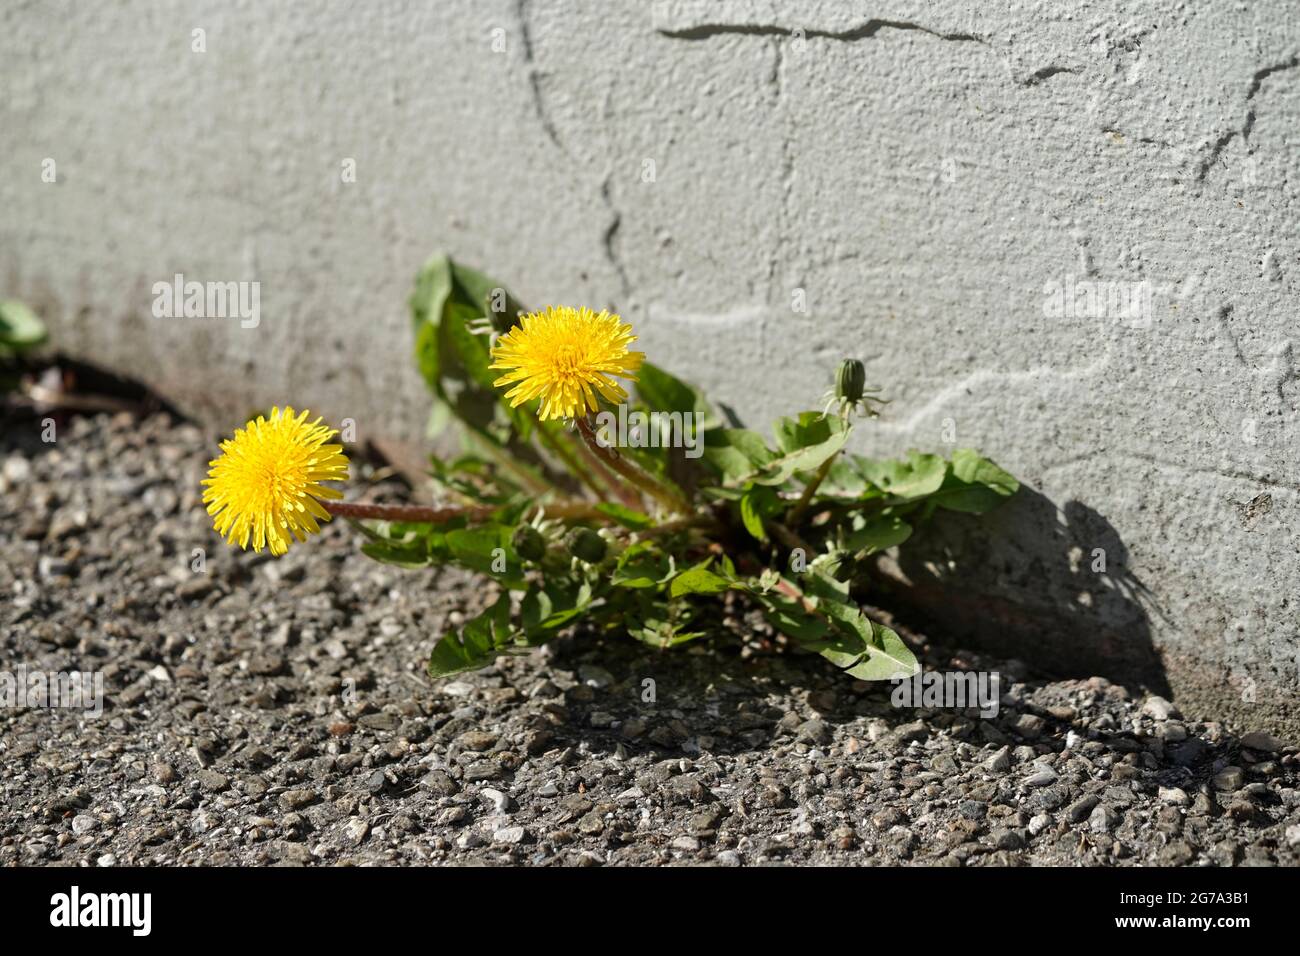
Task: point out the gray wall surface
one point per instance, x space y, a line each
941 184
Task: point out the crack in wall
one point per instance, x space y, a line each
534 78
1248 125
611 234
863 31
1046 73
1222 316
787 173
543 113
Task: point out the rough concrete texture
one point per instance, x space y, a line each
921 176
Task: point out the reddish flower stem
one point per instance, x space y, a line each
635 475
430 515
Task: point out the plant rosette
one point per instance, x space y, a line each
589 505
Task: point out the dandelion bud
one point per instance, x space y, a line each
528 543
587 545
851 380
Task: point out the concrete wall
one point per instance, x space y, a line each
924 176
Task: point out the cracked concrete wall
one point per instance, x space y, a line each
941 184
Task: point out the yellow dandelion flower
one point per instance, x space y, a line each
266 484
564 357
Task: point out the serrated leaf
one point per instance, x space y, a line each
453 308
845 481
825 437
808 430
402 543
641 566
472 350
976 484
969 466
535 608
867 650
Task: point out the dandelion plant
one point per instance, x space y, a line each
607 511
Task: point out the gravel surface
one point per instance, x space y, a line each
276 711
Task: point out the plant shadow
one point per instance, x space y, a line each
1048 585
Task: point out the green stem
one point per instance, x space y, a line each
809 490
790 539
637 476
535 482
611 481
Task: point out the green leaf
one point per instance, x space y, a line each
472 477
957 496
970 467
735 453
808 430
878 655
453 308
876 534
839 631
433 287
975 486
20 329
403 556
844 480
792 619
741 456
697 581
487 549
887 658
806 442
402 543
916 477
478 644
662 633
473 351
546 610
535 608
757 503
642 565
